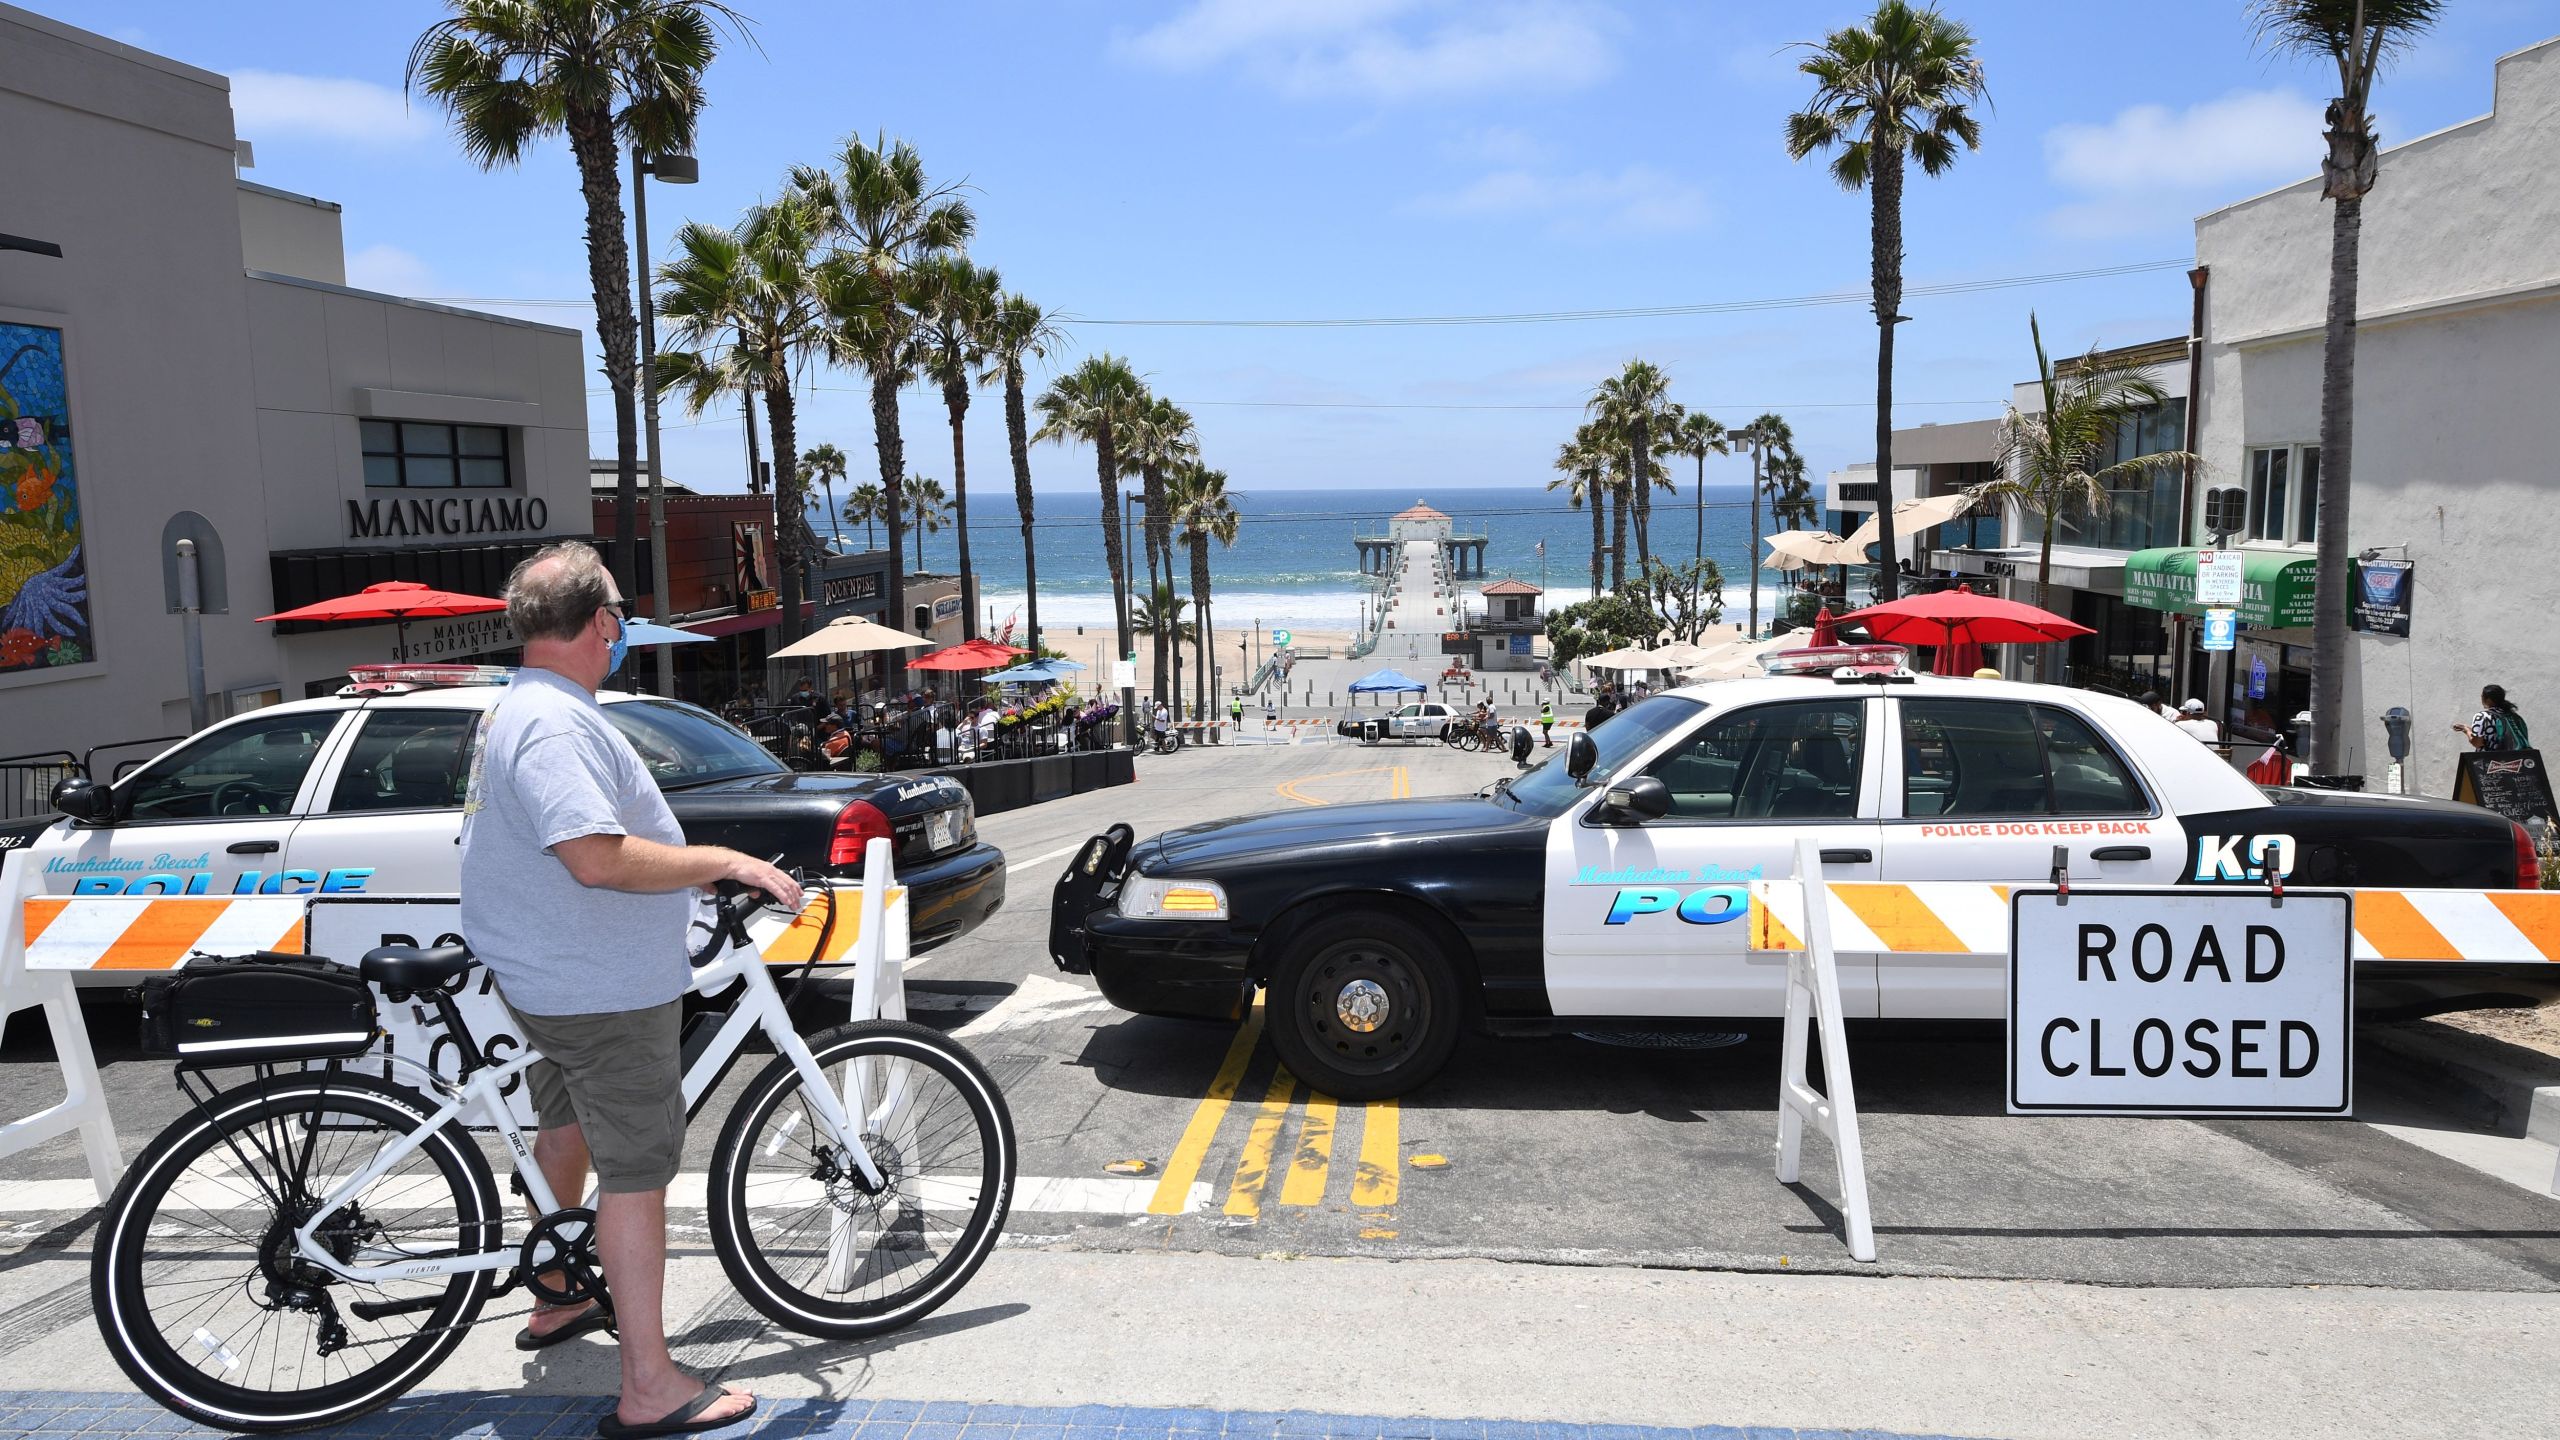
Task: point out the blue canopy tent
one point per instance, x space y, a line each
650 632
1036 670
1387 679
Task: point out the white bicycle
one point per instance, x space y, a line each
308 1246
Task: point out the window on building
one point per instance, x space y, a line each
420 456
2139 515
2284 493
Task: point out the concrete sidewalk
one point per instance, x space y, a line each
1367 1348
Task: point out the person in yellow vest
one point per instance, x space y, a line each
1235 709
1547 722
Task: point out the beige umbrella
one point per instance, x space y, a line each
1742 658
849 635
1629 658
1681 654
1911 517
1796 549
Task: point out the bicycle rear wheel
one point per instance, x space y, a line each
200 1296
800 1235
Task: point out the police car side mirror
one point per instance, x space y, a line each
1642 798
82 799
1580 755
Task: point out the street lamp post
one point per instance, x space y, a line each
1128 635
673 170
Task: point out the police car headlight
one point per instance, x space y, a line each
1153 897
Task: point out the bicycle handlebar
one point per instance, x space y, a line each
732 904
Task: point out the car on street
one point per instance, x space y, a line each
1421 720
361 793
1600 888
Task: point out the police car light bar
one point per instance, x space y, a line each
394 678
1839 661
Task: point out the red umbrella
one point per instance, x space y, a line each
979 654
401 600
1955 615
1826 627
1962 658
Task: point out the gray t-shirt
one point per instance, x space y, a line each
549 767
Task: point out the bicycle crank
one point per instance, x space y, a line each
558 1259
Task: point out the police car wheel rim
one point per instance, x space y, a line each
1395 1032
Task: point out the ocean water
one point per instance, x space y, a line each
1293 563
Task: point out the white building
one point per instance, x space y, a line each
2457 369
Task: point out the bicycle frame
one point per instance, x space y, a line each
759 1008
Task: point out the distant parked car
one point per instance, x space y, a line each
1423 720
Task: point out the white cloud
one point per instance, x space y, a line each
1389 50
268 103
390 270
1639 199
2154 168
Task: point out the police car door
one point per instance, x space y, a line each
1649 918
1988 789
211 817
390 813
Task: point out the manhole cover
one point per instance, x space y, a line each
1661 1039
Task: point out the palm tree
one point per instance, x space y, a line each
1094 403
1791 501
959 301
1630 404
928 510
755 288
883 218
2356 36
1582 472
863 505
826 465
1161 619
2046 456
1199 503
1697 435
1160 437
1769 432
1016 331
1894 90
603 73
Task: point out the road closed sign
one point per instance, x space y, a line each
2180 1002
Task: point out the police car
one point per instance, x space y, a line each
361 793
1602 888
1422 720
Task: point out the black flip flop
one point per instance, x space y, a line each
686 1421
597 1318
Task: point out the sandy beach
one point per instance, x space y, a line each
1093 650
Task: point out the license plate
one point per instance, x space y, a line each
942 830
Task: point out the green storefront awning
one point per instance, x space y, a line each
2276 585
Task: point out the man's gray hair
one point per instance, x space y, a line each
554 592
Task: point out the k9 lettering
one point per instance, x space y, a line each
1712 906
247 882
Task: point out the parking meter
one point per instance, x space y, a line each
2395 730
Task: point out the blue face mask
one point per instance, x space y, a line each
621 647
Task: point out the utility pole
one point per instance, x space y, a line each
674 170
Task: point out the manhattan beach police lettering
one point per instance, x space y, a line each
549 768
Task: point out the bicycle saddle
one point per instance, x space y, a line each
407 967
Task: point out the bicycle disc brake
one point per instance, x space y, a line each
562 1243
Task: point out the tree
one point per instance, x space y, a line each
2048 458
1094 403
1019 331
1684 599
1761 436
1697 435
603 73
864 505
826 465
1897 89
1200 505
1160 437
883 218
928 510
1160 619
1585 470
1630 405
958 302
2356 36
1791 501
1600 624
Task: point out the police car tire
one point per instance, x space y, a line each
1404 961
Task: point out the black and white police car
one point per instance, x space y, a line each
1603 886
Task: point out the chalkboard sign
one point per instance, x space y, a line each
2511 782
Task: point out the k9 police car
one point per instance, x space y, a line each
1606 885
361 793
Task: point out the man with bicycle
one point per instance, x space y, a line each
576 892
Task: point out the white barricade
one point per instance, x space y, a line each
84 1100
1813 995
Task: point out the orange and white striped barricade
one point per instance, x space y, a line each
83 1106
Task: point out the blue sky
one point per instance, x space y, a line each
1208 159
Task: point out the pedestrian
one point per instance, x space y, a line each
2498 726
1235 710
2192 719
1601 709
577 894
2152 702
1547 722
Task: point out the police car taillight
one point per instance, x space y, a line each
857 825
1838 660
394 678
2528 859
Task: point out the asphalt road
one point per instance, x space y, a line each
1566 1150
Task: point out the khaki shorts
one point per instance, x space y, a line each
619 1077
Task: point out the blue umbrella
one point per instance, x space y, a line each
1387 679
1037 670
650 632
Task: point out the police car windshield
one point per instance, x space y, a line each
1548 790
683 746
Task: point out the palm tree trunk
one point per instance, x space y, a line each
893 469
792 502
1106 463
1885 227
1618 543
1639 454
1702 507
835 526
592 144
1599 535
1759 457
1018 439
1151 478
2337 439
2045 654
1200 612
955 398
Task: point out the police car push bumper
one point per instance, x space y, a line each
1165 947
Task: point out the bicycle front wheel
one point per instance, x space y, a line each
202 1299
806 1240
